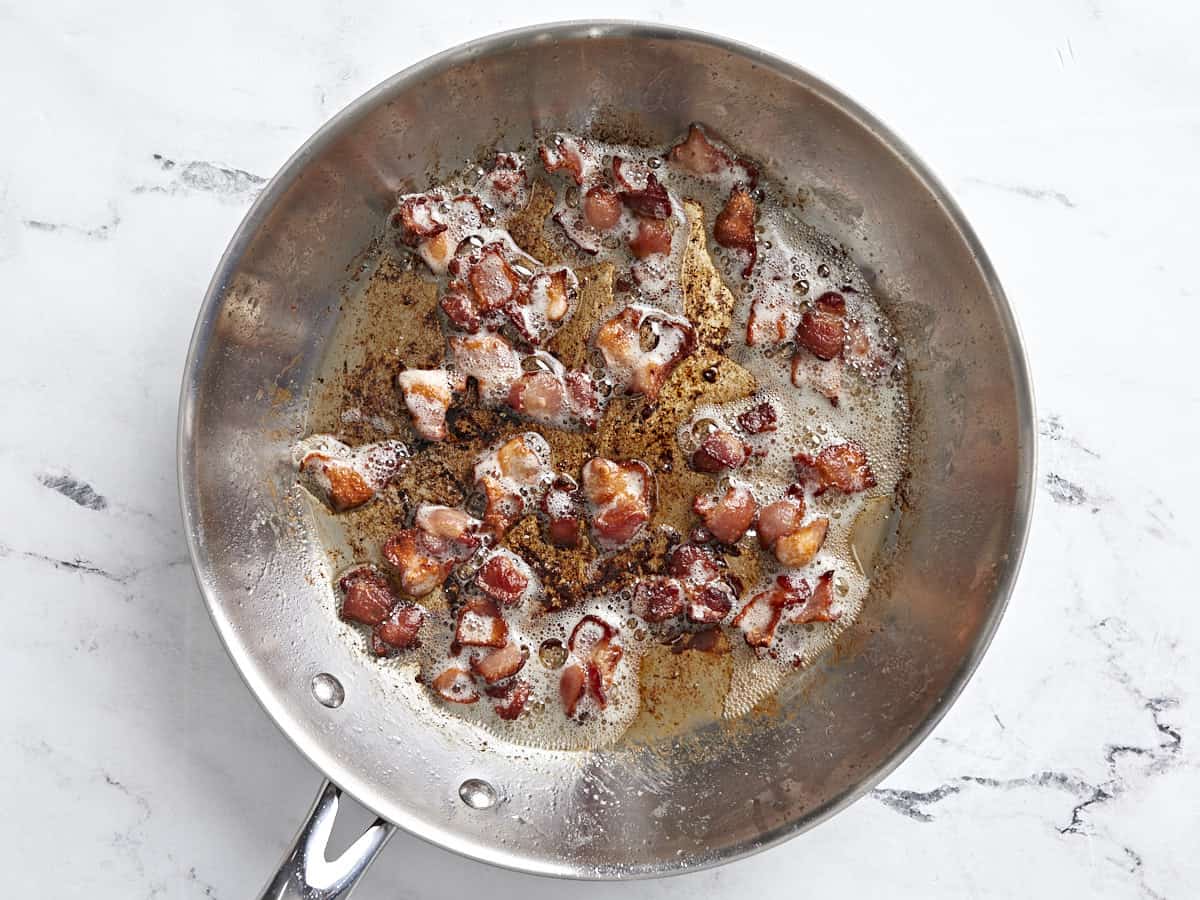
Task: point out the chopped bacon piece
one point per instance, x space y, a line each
500 663
758 419
773 313
594 641
455 685
729 517
346 478
448 523
557 398
800 546
697 154
693 564
369 596
651 202
824 375
653 236
719 452
781 517
512 697
601 208
552 291
563 155
420 559
460 308
818 606
637 369
346 487
710 603
602 668
481 625
843 466
759 618
707 640
428 393
507 182
734 226
503 579
399 630
822 329
490 360
621 497
709 597
561 504
519 464
492 279
571 685
538 395
417 220
657 599
504 507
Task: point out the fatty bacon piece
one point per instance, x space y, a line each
842 466
495 285
620 498
709 595
428 394
729 516
563 508
734 227
504 577
790 600
569 155
595 653
490 360
435 223
480 624
344 477
556 396
512 477
425 554
720 451
697 154
781 529
506 185
642 346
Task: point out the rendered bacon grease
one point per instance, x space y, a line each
526 598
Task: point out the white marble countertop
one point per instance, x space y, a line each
138 765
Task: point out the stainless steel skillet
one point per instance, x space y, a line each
723 791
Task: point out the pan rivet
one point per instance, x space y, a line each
477 794
328 690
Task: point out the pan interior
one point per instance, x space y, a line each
665 803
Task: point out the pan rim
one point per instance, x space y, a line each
342 774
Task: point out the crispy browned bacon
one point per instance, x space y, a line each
781 517
729 516
571 685
635 367
480 624
498 664
651 202
399 630
842 466
563 154
657 599
455 685
758 419
653 236
428 393
503 578
368 596
417 219
720 451
562 505
423 561
601 207
512 699
734 226
621 496
798 548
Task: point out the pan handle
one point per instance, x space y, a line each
305 873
